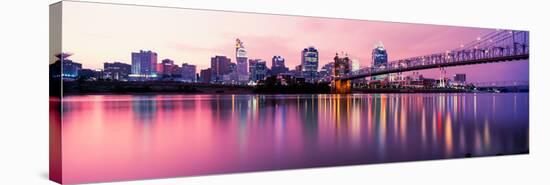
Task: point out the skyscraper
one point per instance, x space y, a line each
242 65
188 72
144 64
220 66
379 55
278 65
379 59
310 63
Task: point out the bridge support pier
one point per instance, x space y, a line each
341 86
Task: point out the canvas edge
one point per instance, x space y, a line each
55 94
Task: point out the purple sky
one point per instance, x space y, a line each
98 33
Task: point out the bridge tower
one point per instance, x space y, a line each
341 67
341 86
442 77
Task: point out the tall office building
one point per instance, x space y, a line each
278 65
258 69
188 72
310 63
379 55
220 65
242 65
379 59
144 64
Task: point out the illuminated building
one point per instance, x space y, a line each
327 70
116 71
206 75
144 64
220 65
379 59
165 68
278 65
65 68
355 66
242 65
310 63
460 78
188 72
258 69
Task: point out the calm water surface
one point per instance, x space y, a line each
119 137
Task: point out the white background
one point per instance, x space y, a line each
24 91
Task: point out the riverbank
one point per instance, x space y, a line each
159 87
430 90
104 87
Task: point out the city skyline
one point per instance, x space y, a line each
263 37
142 92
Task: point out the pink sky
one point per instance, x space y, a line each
98 33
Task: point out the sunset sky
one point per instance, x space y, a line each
98 33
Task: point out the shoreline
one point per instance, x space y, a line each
159 88
394 91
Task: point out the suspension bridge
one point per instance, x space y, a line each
497 46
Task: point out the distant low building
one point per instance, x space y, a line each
165 68
116 71
176 72
326 72
91 74
188 72
297 72
65 68
206 75
278 65
459 78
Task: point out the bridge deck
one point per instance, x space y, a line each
436 65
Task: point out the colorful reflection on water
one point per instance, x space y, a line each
120 137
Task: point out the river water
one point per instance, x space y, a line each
121 137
